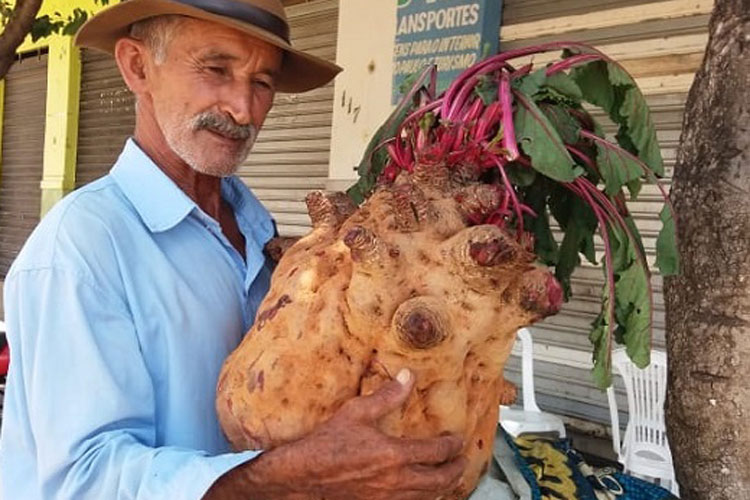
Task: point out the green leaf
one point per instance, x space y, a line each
407 83
545 246
558 88
620 256
561 205
632 290
616 167
531 84
599 337
578 223
568 258
607 85
43 27
593 80
427 121
630 222
75 21
520 175
486 89
567 126
539 139
667 257
632 308
598 129
565 85
634 187
361 190
633 298
588 249
6 10
640 128
637 120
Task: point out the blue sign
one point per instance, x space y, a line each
454 34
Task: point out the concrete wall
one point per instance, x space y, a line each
363 91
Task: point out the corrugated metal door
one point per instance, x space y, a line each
661 44
291 155
22 155
107 116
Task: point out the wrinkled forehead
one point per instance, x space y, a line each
202 36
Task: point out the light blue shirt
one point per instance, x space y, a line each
120 310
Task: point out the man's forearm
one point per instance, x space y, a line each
253 480
235 484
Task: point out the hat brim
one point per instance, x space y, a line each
300 72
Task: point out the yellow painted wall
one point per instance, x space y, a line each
2 110
64 7
63 93
61 124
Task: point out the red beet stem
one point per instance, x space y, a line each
509 131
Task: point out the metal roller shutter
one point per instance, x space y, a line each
662 45
107 116
23 150
291 155
522 11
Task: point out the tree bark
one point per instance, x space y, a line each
19 25
708 305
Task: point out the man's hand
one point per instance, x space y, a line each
348 458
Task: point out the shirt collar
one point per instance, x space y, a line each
251 214
157 199
161 204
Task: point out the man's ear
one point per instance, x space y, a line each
131 56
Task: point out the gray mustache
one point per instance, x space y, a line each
224 125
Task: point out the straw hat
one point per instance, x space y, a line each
264 19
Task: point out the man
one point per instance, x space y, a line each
129 295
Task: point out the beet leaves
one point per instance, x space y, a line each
553 160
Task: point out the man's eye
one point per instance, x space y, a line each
263 84
217 70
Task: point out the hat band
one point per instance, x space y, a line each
244 12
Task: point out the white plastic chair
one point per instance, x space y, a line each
530 419
644 450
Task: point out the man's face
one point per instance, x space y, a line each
212 93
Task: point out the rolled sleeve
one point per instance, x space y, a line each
80 394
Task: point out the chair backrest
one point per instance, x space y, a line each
4 354
4 361
527 370
646 390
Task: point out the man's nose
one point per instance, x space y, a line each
237 102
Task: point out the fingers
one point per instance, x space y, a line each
389 397
431 451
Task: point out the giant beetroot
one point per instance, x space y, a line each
400 282
439 266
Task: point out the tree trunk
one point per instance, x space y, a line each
708 305
19 25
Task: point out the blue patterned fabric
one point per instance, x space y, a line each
556 470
